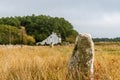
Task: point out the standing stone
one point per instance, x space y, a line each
80 66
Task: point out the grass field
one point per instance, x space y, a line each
45 63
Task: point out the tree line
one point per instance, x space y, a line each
117 39
13 35
32 29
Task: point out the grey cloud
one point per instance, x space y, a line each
85 15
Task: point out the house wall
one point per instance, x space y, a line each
52 39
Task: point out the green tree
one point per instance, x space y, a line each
9 34
30 40
42 26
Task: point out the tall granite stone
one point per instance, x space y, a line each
80 66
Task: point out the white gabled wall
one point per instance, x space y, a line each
52 39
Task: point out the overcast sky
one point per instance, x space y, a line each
100 18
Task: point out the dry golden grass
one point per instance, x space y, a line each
107 61
45 63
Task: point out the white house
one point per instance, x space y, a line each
51 40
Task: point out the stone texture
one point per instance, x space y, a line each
80 66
